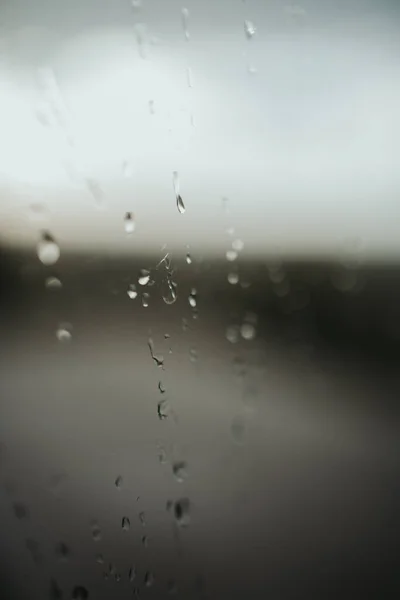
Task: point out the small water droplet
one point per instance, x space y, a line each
144 277
179 469
163 409
33 548
119 482
132 293
238 429
162 455
188 259
161 387
100 559
182 512
232 334
142 518
233 278
132 574
145 541
62 551
180 205
249 29
145 300
172 587
96 532
63 333
20 510
151 107
248 331
237 245
55 592
112 569
80 593
185 22
125 524
117 577
231 255
129 223
127 170
136 4
193 355
189 74
48 250
53 283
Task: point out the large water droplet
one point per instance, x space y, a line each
180 205
148 579
231 255
132 293
129 223
249 29
80 593
179 469
248 331
96 532
144 277
185 22
145 300
63 333
48 250
182 512
53 283
119 482
125 523
193 298
233 278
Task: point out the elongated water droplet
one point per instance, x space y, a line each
188 259
189 75
145 300
145 541
231 255
125 523
48 250
80 593
129 223
162 455
232 334
132 293
53 283
95 191
193 298
175 182
142 518
158 359
193 355
148 579
169 291
161 387
185 22
249 29
144 277
238 429
180 205
96 532
233 278
179 469
132 574
62 551
163 409
119 482
182 512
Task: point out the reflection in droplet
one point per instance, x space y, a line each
182 512
96 532
80 593
148 579
233 278
119 482
232 334
129 223
48 250
144 277
145 300
248 331
237 245
63 333
249 29
132 293
180 205
52 283
185 22
179 469
231 255
125 523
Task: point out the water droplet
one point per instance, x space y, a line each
100 559
169 291
231 255
142 518
129 223
125 524
145 541
163 409
237 245
230 231
127 170
192 298
55 590
189 75
188 259
232 334
119 482
132 574
182 512
158 358
193 355
136 4
148 579
162 455
233 278
80 593
52 283
20 511
180 205
179 469
144 277
151 107
161 387
96 532
238 429
249 29
95 191
63 333
48 250
33 549
248 331
185 22
185 324
117 577
172 587
62 551
132 293
145 300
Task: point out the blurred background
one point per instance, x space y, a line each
199 299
